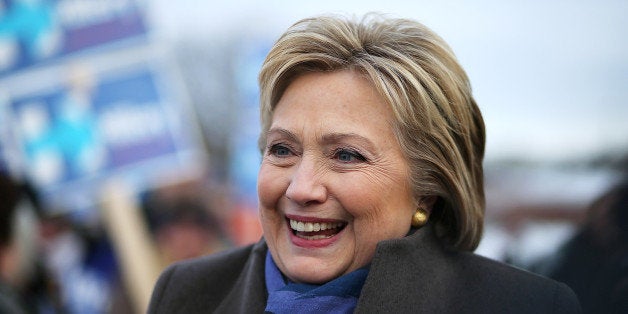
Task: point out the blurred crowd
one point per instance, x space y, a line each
54 263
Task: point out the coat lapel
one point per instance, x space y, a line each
421 287
249 293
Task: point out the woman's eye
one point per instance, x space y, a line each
280 150
348 156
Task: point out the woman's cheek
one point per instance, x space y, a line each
271 186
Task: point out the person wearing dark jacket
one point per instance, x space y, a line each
370 189
594 262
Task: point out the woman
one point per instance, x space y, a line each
370 188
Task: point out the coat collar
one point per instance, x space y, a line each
389 268
415 273
249 293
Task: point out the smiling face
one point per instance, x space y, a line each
333 180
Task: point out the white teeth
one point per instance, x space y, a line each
316 226
309 227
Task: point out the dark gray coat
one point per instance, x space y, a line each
415 274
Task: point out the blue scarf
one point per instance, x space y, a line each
337 296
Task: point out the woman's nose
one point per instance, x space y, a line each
306 184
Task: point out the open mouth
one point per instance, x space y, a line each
315 230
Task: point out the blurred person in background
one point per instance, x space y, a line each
183 224
25 287
83 264
48 263
594 262
370 189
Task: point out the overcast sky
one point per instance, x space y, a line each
551 77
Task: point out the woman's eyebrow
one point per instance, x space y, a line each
332 138
281 132
328 138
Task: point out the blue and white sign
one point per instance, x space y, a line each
33 32
95 126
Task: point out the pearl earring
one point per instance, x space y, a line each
419 218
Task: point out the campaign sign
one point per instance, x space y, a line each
37 31
94 127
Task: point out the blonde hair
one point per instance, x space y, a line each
437 122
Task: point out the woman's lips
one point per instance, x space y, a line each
312 232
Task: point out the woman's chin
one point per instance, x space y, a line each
312 269
312 275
